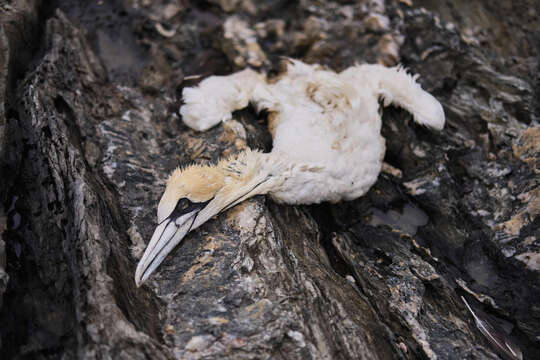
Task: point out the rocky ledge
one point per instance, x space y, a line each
440 260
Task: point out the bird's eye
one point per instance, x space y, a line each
182 205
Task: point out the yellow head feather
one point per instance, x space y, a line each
200 183
196 182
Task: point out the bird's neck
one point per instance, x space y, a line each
251 169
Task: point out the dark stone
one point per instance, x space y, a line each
89 131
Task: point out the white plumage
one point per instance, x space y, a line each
327 144
325 126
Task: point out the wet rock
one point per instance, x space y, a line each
236 5
377 22
93 131
18 25
240 43
4 70
528 146
4 277
60 232
389 50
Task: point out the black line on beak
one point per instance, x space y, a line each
168 241
161 233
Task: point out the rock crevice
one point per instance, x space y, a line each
88 138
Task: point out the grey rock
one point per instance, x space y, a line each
4 277
93 133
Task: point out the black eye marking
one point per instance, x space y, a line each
185 206
182 204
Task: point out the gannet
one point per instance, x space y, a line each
327 144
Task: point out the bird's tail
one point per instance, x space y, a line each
397 87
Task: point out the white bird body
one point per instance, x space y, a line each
327 144
325 126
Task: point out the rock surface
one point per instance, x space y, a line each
89 131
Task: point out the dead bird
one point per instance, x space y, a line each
327 143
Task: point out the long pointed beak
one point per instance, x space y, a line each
173 229
167 235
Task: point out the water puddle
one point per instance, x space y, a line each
407 220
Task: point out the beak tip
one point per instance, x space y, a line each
139 280
164 239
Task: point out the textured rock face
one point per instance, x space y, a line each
89 133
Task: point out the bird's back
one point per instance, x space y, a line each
330 131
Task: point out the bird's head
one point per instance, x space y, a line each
194 195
